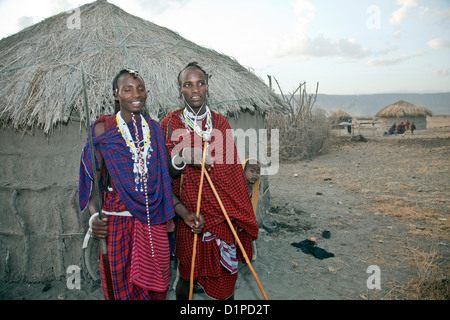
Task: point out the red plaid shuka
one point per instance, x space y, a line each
124 233
229 181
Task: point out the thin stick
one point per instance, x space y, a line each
247 260
194 245
103 244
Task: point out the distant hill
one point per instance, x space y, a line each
370 104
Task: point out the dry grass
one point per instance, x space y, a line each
339 116
401 208
438 122
403 108
40 77
406 178
431 283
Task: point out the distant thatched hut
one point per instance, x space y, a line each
405 111
339 116
43 127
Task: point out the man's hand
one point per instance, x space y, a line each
100 228
196 224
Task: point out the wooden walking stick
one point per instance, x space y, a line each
103 246
247 260
194 246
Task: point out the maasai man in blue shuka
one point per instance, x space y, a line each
138 200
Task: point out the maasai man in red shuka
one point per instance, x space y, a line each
185 131
138 199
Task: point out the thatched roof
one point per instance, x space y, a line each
403 109
339 115
40 69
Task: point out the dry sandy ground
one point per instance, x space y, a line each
385 203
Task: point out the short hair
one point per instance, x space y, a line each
122 72
194 64
253 161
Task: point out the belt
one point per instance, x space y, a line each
121 213
89 232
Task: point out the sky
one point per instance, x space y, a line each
347 46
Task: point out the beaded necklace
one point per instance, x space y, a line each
140 155
191 120
138 171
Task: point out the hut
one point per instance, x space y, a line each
402 111
338 117
43 126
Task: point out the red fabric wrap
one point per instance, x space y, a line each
136 275
229 182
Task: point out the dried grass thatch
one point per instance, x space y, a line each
403 109
40 69
338 116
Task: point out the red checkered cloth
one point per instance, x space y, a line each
229 182
123 233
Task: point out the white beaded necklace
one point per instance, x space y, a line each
140 155
139 172
191 120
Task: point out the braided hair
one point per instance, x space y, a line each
121 72
194 64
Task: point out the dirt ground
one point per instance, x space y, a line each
385 205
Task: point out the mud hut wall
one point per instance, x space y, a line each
255 121
41 226
420 122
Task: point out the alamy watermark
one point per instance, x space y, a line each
249 144
374 280
373 22
73 277
74 20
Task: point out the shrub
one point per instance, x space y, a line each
304 132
